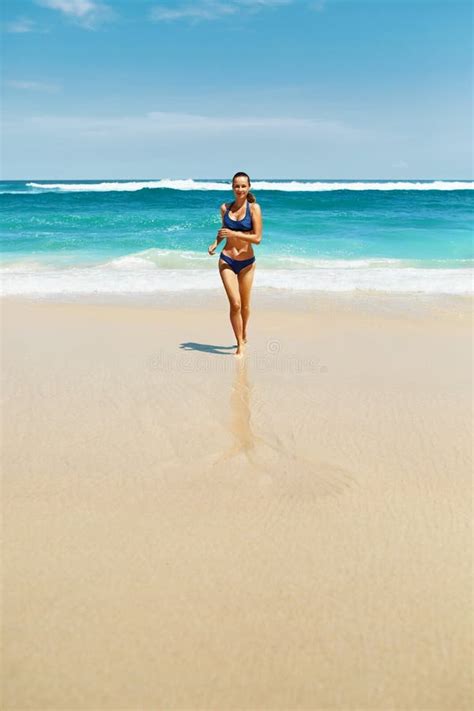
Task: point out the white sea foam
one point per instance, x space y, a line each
286 186
135 275
186 259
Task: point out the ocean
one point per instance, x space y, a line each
88 237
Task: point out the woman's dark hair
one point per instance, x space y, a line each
250 196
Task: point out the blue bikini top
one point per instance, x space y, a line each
244 225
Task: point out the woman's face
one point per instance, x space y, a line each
240 187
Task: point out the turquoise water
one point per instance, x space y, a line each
82 237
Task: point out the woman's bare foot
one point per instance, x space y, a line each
240 350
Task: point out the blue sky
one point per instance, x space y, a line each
202 88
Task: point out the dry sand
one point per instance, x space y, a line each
182 530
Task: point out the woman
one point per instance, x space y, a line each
241 227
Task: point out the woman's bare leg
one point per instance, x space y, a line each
231 286
245 287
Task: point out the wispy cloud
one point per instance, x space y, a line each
317 5
264 3
165 124
21 25
210 9
168 120
261 4
204 10
86 13
31 85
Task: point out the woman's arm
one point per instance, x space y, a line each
223 209
244 236
212 248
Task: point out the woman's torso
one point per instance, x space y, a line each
234 247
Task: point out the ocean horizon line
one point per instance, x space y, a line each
228 178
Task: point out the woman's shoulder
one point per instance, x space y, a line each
225 206
255 207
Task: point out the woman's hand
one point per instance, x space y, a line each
224 232
212 248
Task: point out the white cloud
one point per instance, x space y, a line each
258 4
204 10
87 13
31 85
21 25
317 5
164 123
210 9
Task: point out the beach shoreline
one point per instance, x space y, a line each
184 530
285 299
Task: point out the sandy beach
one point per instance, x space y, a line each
184 530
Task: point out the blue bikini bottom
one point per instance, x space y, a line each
237 264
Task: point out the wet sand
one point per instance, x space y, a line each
184 530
